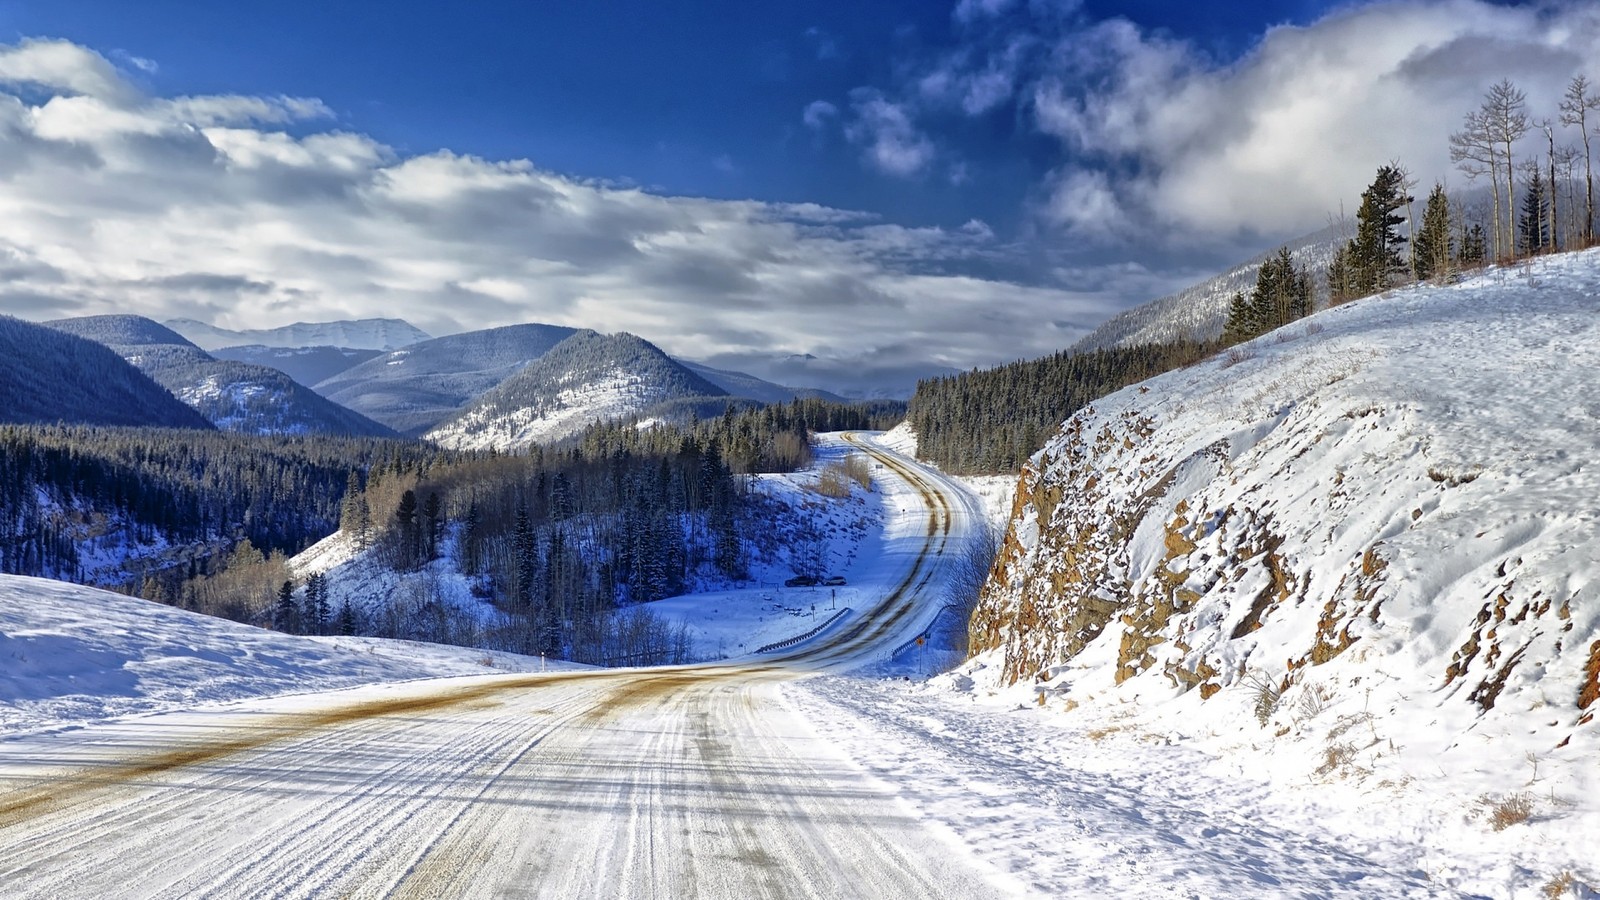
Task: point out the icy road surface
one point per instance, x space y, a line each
690 782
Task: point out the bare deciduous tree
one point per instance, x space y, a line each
1575 107
1473 151
1505 110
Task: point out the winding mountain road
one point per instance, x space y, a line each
696 781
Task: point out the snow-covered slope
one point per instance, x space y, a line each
360 334
1200 311
1359 552
587 378
413 389
233 396
71 654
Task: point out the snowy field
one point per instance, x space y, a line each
71 656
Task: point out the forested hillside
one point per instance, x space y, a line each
991 421
102 505
47 376
551 551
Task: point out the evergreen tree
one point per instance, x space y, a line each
284 617
1474 245
525 550
431 524
354 515
1432 253
1282 294
347 618
1242 324
1534 232
1374 254
408 532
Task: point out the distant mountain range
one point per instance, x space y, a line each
231 395
499 387
49 376
414 389
306 365
361 334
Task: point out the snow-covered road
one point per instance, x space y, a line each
698 781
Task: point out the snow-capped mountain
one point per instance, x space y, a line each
413 389
48 376
306 365
360 334
1200 311
231 395
1357 550
588 377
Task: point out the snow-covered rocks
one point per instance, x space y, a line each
1363 545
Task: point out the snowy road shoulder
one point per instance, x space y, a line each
1142 820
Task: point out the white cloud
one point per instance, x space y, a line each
968 11
1161 140
1273 142
819 113
111 201
890 140
62 66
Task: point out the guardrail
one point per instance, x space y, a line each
786 643
926 633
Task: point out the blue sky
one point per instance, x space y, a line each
702 98
894 188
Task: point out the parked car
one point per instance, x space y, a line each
833 581
801 581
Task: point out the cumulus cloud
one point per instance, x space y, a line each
890 140
818 113
1162 140
113 201
63 66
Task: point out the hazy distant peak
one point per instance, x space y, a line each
362 334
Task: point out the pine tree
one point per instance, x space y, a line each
1534 234
285 615
1242 324
347 618
1474 245
1431 254
525 552
1375 253
408 536
354 515
430 515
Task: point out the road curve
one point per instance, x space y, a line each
696 781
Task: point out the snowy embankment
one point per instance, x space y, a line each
1351 565
72 655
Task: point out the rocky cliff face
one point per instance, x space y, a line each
1394 501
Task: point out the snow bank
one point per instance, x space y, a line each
71 655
